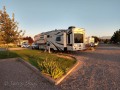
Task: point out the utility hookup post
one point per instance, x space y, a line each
45 48
48 44
49 49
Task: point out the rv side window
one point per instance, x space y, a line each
68 38
78 38
58 38
48 36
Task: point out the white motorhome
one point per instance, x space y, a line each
89 41
71 39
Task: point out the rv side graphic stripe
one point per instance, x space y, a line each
70 31
57 33
56 46
59 43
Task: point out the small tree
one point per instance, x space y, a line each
116 37
9 28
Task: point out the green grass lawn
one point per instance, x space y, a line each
35 56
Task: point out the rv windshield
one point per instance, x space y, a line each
78 38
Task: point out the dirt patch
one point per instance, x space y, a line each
63 56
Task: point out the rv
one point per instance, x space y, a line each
71 39
89 41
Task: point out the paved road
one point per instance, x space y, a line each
14 75
101 70
18 48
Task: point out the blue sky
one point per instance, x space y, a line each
98 17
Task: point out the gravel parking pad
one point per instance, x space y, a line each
101 70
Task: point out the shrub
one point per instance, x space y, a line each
51 68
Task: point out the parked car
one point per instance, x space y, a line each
35 46
96 44
25 45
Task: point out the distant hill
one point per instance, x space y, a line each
105 37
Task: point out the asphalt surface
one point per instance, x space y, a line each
100 71
14 75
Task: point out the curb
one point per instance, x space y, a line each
12 49
68 73
55 82
37 71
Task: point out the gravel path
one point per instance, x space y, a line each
101 70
